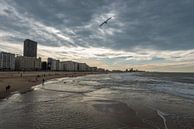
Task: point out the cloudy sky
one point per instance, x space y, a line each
155 35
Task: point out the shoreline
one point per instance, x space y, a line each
23 81
102 101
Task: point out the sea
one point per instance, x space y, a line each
141 100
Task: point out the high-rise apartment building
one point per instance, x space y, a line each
30 48
7 61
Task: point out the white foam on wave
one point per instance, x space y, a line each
14 97
70 85
161 114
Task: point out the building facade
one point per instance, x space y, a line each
27 63
83 67
30 48
61 68
44 66
7 61
69 66
53 64
93 69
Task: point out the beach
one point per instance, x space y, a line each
23 81
104 101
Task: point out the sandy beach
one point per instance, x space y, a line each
23 81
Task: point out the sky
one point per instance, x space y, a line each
151 35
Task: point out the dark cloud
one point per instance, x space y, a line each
156 24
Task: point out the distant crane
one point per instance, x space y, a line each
105 22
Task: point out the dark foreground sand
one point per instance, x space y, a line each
23 81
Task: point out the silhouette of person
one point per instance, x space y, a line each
43 81
7 88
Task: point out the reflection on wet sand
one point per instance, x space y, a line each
121 113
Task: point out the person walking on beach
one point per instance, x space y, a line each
7 88
43 81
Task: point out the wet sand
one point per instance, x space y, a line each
99 102
23 81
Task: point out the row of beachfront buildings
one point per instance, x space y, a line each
30 62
